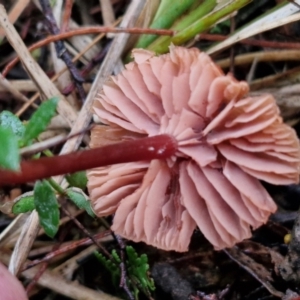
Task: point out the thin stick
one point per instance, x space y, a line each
66 248
67 15
252 42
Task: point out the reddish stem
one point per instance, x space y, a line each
157 147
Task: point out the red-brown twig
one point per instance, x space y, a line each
44 266
86 232
72 246
67 15
252 42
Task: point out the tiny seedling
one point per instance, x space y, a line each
137 270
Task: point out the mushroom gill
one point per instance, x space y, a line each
226 143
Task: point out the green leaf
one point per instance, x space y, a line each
9 120
9 150
23 204
77 179
47 207
40 120
80 199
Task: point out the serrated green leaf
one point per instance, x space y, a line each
110 266
9 120
47 207
9 150
23 204
77 179
40 120
80 199
138 267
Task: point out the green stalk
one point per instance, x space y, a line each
194 15
56 186
167 13
206 22
201 25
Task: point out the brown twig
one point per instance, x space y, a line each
86 69
83 31
61 50
37 276
67 15
122 266
232 29
44 266
252 42
72 246
85 231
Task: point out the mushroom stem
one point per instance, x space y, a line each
157 147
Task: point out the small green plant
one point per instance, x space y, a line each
137 271
14 134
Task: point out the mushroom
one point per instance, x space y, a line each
226 142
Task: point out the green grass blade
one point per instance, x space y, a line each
281 14
167 13
201 25
192 16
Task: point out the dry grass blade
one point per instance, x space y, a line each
24 243
38 147
68 267
12 228
265 23
108 14
7 86
44 84
15 12
248 58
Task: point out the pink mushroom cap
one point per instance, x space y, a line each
227 142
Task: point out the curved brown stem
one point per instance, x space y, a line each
157 147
